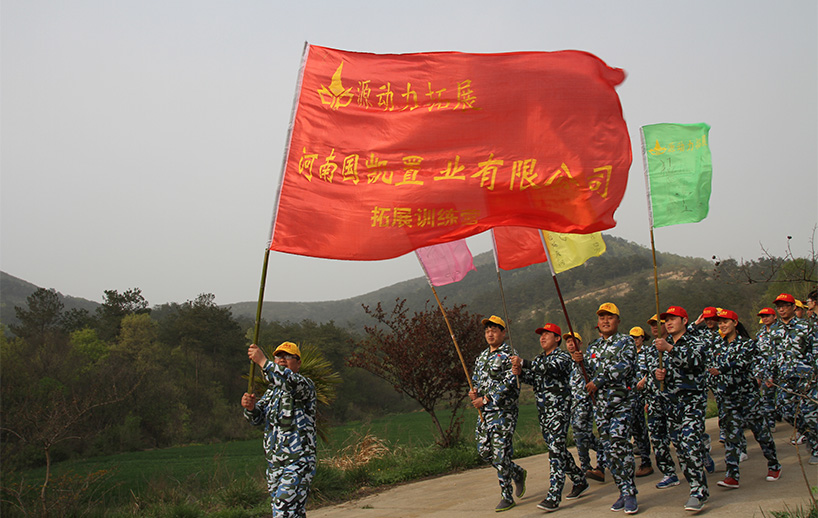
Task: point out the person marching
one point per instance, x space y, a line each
287 413
768 393
734 366
550 374
658 407
641 437
685 385
611 364
582 414
494 394
794 343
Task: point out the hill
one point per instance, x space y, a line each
14 291
623 275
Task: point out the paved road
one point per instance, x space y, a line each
474 493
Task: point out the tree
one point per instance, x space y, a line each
115 307
417 357
41 319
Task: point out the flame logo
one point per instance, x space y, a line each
336 96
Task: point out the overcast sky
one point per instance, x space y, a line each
142 140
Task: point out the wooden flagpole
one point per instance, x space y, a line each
653 251
451 332
562 301
250 381
502 295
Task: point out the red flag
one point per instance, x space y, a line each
389 153
517 247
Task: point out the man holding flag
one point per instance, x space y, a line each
495 395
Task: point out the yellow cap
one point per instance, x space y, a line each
800 304
637 331
652 320
608 307
288 347
494 319
575 335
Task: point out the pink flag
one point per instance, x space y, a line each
447 262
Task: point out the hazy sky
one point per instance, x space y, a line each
142 140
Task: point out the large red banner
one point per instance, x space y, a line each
389 153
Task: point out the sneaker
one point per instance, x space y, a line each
728 482
799 439
504 505
668 481
519 485
695 504
577 490
813 460
709 464
644 470
630 504
773 474
595 474
548 505
743 456
619 504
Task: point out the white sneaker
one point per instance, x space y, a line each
799 439
743 456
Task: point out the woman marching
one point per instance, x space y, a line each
735 368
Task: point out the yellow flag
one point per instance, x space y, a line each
569 250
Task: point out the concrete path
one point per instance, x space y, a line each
474 493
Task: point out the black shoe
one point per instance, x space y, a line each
548 505
577 490
519 485
504 505
596 474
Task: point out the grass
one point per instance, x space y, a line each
227 479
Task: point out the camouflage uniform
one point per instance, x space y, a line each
768 394
738 366
641 437
796 353
686 392
710 336
658 412
549 375
582 421
492 379
611 364
287 412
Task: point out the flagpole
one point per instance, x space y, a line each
451 333
562 301
503 296
250 381
661 332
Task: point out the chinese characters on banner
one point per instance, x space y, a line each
389 153
679 172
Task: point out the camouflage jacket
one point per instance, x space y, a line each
686 365
287 411
492 378
550 376
739 364
611 365
794 348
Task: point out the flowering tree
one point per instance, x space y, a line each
416 355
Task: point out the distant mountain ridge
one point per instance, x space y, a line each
623 275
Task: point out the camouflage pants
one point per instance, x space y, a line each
289 485
686 413
768 397
798 407
494 445
744 411
658 420
613 420
582 423
554 427
721 405
641 438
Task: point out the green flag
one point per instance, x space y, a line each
678 171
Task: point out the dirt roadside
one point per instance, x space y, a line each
474 493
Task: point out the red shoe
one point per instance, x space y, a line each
729 482
773 475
